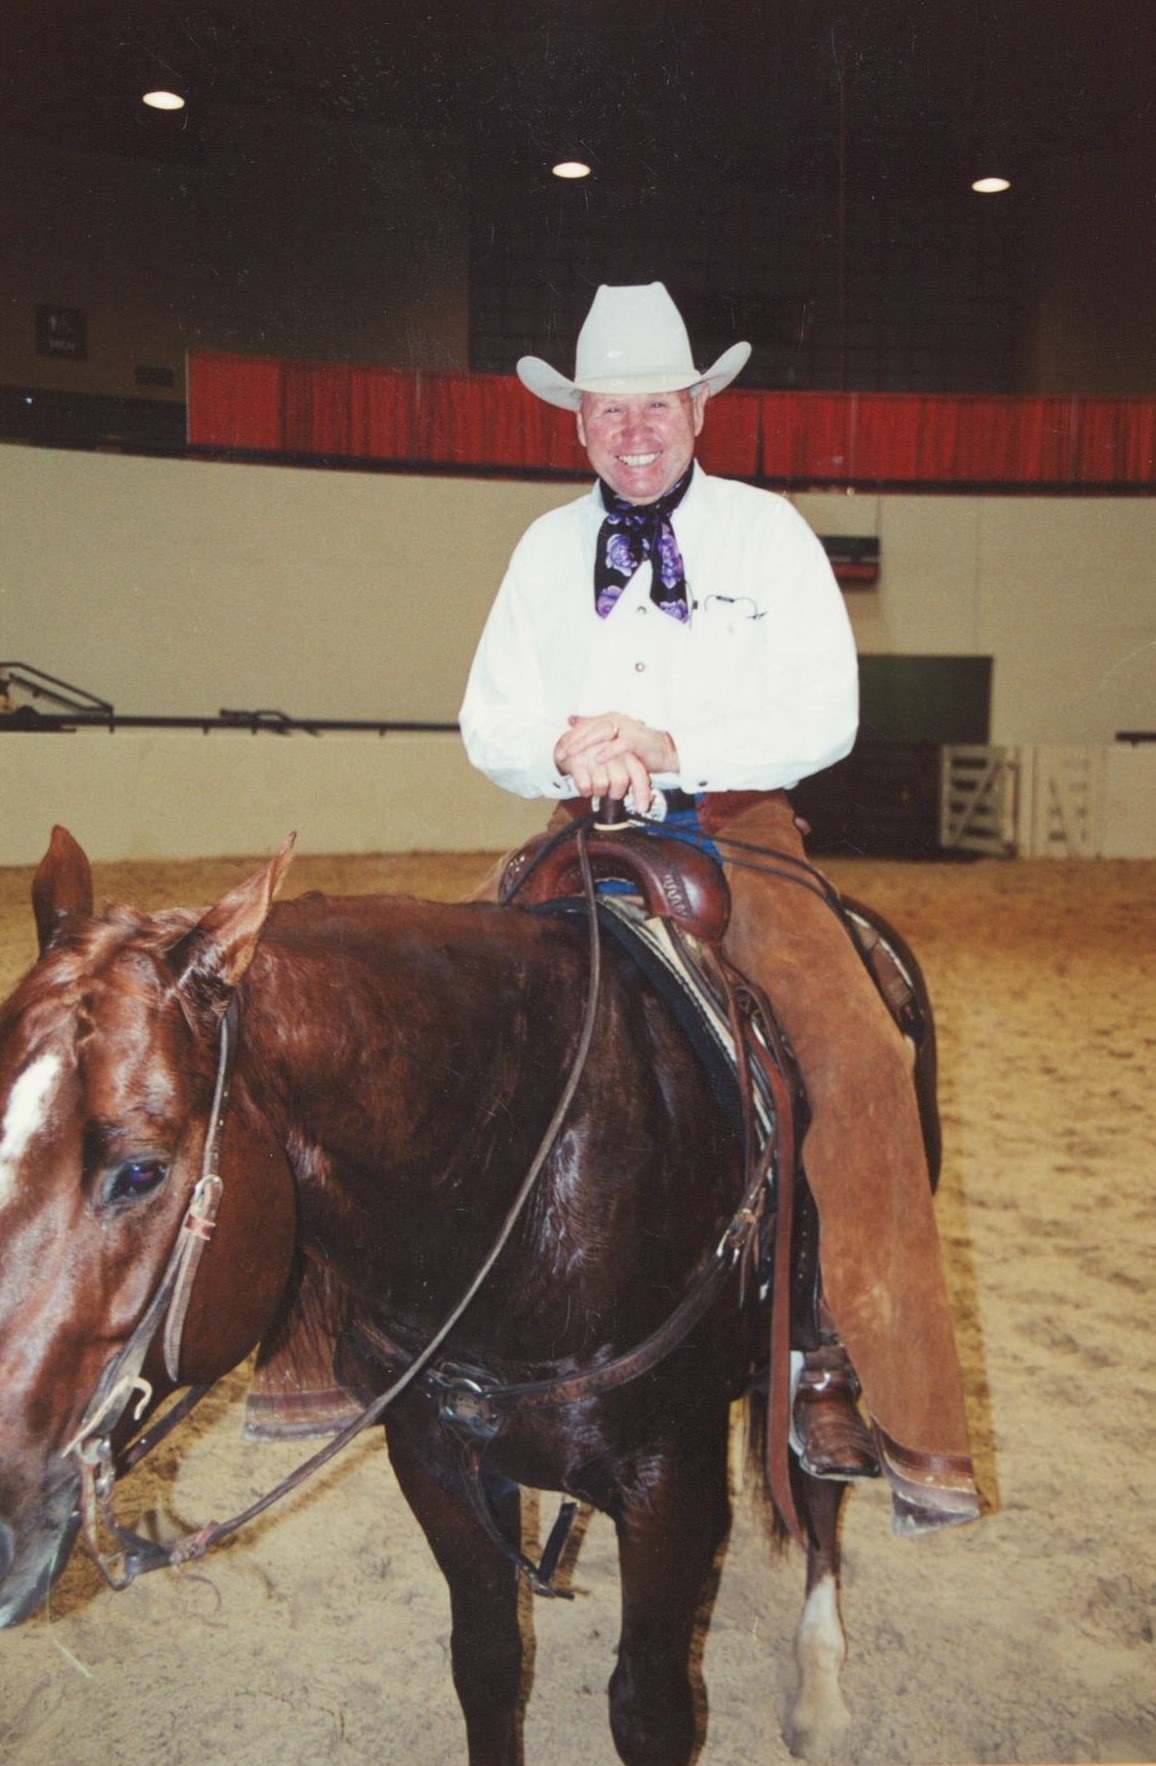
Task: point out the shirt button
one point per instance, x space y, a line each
640 668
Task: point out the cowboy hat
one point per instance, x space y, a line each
633 341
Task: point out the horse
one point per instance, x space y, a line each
397 1090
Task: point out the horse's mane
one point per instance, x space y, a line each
84 948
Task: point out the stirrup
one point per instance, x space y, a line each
828 1433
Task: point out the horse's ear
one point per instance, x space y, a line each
61 888
211 959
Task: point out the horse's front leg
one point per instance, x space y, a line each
486 1641
819 1716
674 1515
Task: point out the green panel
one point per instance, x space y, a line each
941 699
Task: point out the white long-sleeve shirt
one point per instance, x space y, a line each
758 689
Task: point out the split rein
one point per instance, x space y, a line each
91 1445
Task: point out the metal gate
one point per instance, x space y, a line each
1026 802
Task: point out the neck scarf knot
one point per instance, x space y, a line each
632 532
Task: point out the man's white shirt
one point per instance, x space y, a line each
758 689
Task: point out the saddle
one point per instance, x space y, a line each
676 881
684 888
671 927
673 932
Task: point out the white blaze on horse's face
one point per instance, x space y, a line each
28 1113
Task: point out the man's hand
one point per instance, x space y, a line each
609 755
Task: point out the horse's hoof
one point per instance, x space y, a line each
820 1738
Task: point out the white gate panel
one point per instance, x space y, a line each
1026 802
980 790
1067 804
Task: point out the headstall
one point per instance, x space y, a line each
91 1445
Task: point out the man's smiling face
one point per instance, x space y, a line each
640 444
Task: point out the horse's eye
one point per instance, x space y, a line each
134 1179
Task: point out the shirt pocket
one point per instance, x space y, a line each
730 614
726 660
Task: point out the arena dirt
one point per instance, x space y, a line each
322 1634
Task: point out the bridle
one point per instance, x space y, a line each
91 1445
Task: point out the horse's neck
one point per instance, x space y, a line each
389 1039
409 1060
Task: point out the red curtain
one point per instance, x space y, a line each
806 437
1114 441
730 440
932 439
488 422
235 401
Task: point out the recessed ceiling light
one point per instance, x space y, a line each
991 186
571 168
163 101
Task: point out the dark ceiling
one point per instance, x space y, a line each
642 86
706 122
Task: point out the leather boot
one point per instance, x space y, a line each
831 1437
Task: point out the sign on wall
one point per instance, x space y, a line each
62 332
855 561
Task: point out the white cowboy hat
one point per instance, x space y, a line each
633 341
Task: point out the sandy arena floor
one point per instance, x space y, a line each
321 1635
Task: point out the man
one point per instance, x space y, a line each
676 634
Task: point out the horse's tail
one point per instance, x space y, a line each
757 1418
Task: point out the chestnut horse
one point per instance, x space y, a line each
399 1064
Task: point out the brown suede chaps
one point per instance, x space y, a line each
882 1273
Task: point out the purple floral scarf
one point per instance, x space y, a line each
632 532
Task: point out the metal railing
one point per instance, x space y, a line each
25 689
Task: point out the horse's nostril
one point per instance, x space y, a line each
7 1549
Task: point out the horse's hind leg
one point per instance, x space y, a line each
486 1640
818 1716
670 1526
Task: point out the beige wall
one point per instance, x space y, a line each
178 587
1060 591
151 795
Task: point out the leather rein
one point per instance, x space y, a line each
469 1400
